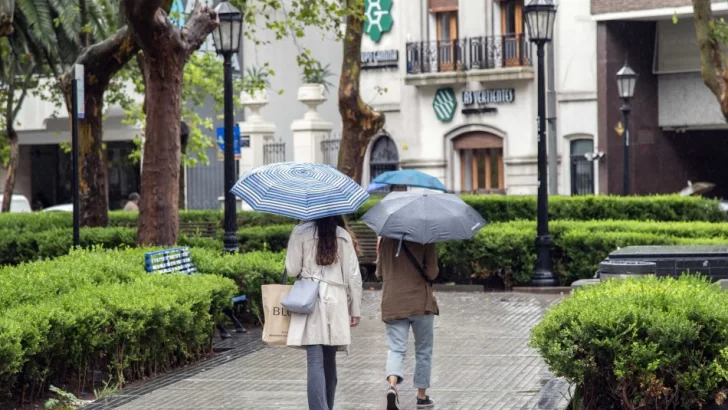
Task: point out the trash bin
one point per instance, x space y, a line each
625 269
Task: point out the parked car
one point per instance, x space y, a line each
60 208
18 203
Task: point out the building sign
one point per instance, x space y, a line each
495 96
378 16
445 104
379 59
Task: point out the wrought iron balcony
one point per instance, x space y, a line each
468 54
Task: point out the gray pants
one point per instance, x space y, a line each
321 377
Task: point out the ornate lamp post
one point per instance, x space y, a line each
540 18
227 42
626 82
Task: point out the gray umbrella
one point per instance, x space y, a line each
423 217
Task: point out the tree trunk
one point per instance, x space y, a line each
12 169
101 62
360 122
166 50
713 69
158 206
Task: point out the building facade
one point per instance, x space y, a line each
457 83
678 133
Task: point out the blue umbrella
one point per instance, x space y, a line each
410 177
300 190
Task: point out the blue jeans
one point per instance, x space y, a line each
397 336
321 376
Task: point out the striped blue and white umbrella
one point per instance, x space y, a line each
300 190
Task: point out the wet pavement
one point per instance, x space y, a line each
481 361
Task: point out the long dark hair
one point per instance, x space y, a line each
327 250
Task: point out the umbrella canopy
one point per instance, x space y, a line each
410 177
300 190
424 217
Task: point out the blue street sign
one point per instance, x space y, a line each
236 138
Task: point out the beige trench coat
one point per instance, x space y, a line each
328 324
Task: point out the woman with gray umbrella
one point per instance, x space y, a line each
410 223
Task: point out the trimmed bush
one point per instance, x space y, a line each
647 343
248 270
507 250
495 208
99 310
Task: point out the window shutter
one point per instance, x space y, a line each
438 6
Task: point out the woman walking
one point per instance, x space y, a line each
325 250
406 269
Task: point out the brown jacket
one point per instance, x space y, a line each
405 292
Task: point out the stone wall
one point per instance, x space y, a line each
614 6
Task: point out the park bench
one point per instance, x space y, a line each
179 260
368 246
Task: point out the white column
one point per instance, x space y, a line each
311 130
259 130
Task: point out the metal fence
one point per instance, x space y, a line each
582 176
472 53
274 152
330 149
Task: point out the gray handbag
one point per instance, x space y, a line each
303 296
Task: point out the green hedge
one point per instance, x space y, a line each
22 222
507 250
495 208
649 343
30 246
99 310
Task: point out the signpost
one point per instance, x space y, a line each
236 137
77 108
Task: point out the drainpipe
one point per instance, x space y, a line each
553 162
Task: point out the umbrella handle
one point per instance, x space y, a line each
285 276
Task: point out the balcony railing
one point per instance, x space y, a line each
474 53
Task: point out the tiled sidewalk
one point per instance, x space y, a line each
481 362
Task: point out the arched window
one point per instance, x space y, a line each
582 169
481 162
384 157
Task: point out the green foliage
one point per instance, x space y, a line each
317 74
63 400
584 208
99 309
648 343
203 79
272 238
249 270
507 250
257 78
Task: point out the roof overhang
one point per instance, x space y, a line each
665 13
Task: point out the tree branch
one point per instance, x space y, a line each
202 22
104 59
711 57
24 92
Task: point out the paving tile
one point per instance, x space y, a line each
481 361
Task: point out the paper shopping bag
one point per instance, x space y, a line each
277 318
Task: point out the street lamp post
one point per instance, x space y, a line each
626 82
227 42
540 18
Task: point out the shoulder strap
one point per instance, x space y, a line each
416 264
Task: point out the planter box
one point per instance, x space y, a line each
710 261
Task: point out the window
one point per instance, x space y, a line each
447 35
481 162
582 169
512 29
384 157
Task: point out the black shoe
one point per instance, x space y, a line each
426 403
392 399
